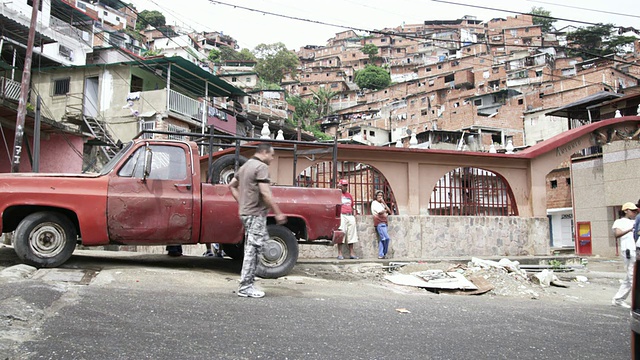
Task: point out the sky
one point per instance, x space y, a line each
251 28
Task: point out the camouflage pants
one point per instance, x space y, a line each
255 234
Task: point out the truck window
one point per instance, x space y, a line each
168 163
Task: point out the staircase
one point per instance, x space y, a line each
98 129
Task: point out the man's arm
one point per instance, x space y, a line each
636 228
233 186
265 191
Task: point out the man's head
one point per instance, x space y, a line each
630 209
344 184
264 152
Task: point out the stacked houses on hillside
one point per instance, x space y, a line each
460 84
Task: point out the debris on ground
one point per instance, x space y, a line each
479 276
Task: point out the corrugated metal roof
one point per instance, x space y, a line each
184 74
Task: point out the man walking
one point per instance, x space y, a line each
250 187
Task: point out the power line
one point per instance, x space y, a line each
582 8
516 12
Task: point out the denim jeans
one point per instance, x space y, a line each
383 244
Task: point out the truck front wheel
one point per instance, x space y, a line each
45 239
279 254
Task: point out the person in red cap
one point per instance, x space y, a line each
347 221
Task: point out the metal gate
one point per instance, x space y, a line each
364 181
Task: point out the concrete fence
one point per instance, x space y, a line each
428 237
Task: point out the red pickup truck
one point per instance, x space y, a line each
151 193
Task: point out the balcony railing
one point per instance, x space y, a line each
9 89
185 105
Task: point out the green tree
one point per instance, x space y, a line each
214 55
597 40
274 61
372 77
542 17
305 110
246 55
322 99
371 50
154 18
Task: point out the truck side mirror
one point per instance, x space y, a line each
148 158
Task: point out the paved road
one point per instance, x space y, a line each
153 307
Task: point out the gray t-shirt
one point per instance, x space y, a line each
249 175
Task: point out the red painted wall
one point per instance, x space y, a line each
57 153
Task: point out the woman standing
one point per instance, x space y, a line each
380 212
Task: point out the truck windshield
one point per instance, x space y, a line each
109 166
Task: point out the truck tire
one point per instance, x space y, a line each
45 239
279 253
223 169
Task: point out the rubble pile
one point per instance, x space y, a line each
504 277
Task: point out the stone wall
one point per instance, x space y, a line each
429 237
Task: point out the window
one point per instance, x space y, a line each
61 86
167 163
136 84
568 181
398 50
105 13
176 128
428 69
148 125
30 3
477 102
520 101
334 85
372 133
118 18
554 184
234 79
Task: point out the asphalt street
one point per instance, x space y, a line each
154 307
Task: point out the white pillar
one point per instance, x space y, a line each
265 133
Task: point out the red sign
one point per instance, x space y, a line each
220 120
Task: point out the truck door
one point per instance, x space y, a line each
155 210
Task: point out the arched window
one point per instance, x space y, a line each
472 192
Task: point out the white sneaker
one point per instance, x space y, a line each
251 292
620 303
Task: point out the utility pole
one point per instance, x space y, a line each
24 90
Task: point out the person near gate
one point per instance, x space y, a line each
251 189
380 212
623 230
347 221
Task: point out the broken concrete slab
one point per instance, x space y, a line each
17 272
433 279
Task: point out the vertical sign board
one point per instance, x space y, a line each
583 238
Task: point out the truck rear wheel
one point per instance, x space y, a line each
45 239
279 253
223 169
